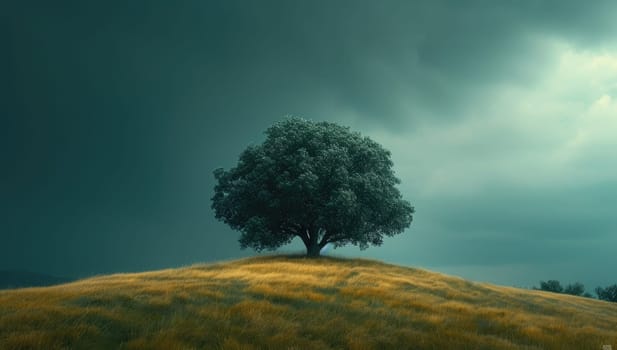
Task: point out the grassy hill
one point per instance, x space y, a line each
296 303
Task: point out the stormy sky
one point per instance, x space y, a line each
501 117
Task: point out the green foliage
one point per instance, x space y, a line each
315 180
551 286
576 288
609 293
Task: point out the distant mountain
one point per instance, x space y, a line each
19 279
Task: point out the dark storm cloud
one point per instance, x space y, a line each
118 112
365 56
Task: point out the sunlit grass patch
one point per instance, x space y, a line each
282 302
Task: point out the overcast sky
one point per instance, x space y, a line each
501 117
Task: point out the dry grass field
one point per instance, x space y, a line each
281 302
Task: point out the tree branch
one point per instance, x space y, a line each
325 239
303 234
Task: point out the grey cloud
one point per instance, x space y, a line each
576 213
120 111
372 58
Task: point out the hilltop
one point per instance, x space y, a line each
280 302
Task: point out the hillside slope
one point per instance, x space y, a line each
296 303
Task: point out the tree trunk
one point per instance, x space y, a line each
311 241
313 250
312 244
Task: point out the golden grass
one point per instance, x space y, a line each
296 303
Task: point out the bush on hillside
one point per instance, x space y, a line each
609 293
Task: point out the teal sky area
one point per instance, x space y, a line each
501 117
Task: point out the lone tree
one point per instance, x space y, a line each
315 180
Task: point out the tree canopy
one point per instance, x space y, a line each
551 286
318 181
609 293
576 288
